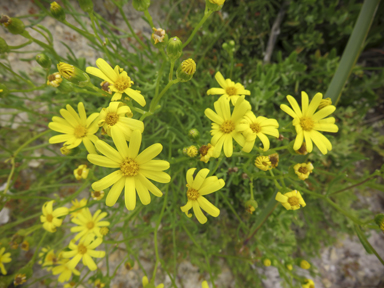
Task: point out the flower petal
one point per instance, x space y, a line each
106 69
130 193
102 161
108 151
212 186
294 105
220 79
314 105
150 186
215 91
143 192
198 213
121 143
136 96
208 207
107 181
98 73
160 177
199 179
149 153
115 191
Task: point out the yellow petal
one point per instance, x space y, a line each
115 191
198 213
134 144
130 193
106 69
228 145
160 177
150 186
143 192
213 116
208 207
136 96
304 102
108 151
199 179
281 198
314 105
215 91
149 153
102 161
294 105
107 181
121 143
155 165
220 79
288 110
98 73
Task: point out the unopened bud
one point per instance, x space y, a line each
192 151
4 48
325 102
289 267
305 264
14 25
186 70
141 5
174 49
73 74
43 60
214 5
65 151
86 5
267 262
194 134
57 11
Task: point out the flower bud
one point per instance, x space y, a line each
267 262
4 91
57 11
86 5
65 151
289 267
186 70
174 49
73 74
14 25
141 5
194 134
251 206
379 219
305 264
4 48
214 5
43 60
324 103
192 151
65 86
159 37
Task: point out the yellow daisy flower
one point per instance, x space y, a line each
118 117
228 90
77 205
304 264
145 283
204 284
206 152
134 169
76 128
84 251
308 123
88 224
291 200
64 271
253 127
97 195
303 170
267 262
19 279
99 284
192 151
50 218
263 163
224 126
4 258
308 284
70 284
197 189
25 245
118 79
81 172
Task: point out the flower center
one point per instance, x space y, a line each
96 193
82 249
122 83
129 167
111 118
18 280
105 86
231 91
306 123
192 194
49 217
311 286
80 131
90 225
204 150
256 128
227 127
303 170
293 201
79 172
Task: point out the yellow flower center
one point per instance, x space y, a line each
227 127
49 217
96 193
122 83
231 91
192 194
90 225
303 170
80 131
306 123
129 167
256 128
293 201
311 286
79 172
111 118
19 280
82 249
104 231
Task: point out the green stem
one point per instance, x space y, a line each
171 71
149 17
21 45
353 49
345 213
28 90
251 188
17 75
243 226
206 16
41 44
278 186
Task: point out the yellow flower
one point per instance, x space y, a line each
206 152
228 90
188 66
197 189
64 270
308 123
267 262
50 258
218 2
75 128
224 126
84 251
50 218
158 35
291 200
99 284
54 80
97 195
104 231
192 151
19 279
4 258
305 265
204 284
308 284
77 205
303 170
25 245
118 79
134 169
88 224
66 70
70 284
118 117
289 267
253 127
145 283
263 163
81 172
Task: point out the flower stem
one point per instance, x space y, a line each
197 28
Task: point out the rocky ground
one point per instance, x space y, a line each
345 265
